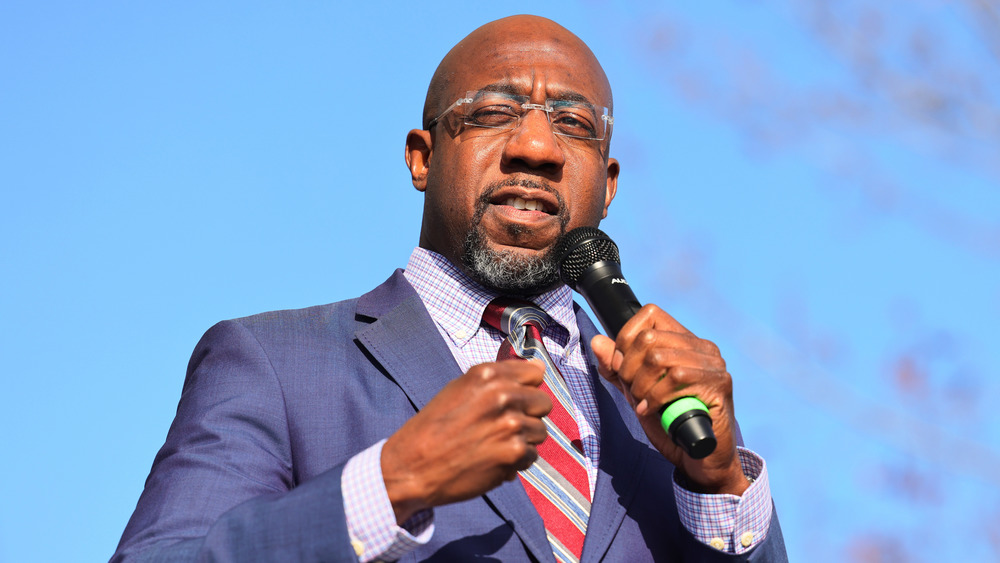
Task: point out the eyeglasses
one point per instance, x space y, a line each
499 110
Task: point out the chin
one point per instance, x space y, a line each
524 272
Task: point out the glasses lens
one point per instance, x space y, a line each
494 109
576 120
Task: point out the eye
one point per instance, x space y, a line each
492 115
575 123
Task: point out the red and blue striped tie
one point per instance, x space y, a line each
557 482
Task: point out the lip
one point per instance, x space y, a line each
528 218
522 229
550 205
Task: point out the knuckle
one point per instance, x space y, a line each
646 337
652 308
483 372
510 454
727 384
511 425
682 375
520 454
710 347
657 357
506 399
501 400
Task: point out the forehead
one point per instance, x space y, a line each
550 66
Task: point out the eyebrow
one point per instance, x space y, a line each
508 87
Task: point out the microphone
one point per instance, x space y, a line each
589 263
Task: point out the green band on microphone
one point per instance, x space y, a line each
679 407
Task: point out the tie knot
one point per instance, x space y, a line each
505 314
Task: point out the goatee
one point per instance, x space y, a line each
505 270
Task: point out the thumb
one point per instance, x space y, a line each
608 359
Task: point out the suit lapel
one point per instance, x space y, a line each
404 340
406 344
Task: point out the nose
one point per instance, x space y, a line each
533 144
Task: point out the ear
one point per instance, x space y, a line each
612 185
419 146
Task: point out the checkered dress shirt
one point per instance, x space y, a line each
456 304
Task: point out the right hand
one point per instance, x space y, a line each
476 433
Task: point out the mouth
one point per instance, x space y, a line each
521 215
523 204
526 198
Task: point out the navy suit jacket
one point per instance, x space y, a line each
274 405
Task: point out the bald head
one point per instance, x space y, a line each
509 41
473 174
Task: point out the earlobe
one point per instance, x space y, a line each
418 156
612 185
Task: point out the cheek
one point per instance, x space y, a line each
454 185
588 193
470 168
480 154
593 210
462 165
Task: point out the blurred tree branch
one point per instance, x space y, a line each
920 79
885 88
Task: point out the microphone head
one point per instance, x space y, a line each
581 248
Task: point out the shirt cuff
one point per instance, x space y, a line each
371 522
730 523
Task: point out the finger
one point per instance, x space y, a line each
517 430
526 455
513 399
537 403
681 382
529 455
656 351
653 338
608 358
534 431
653 366
649 317
525 372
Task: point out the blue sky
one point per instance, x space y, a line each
165 167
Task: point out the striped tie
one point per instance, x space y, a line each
557 482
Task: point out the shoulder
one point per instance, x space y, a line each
323 321
285 327
318 318
308 333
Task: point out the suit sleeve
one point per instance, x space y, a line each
222 486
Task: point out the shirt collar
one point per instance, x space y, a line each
456 302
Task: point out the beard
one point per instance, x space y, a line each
505 270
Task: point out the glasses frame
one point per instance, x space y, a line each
550 105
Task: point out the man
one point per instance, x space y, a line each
383 428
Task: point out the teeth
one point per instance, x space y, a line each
518 203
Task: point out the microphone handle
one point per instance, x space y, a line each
613 302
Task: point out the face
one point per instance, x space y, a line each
496 202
